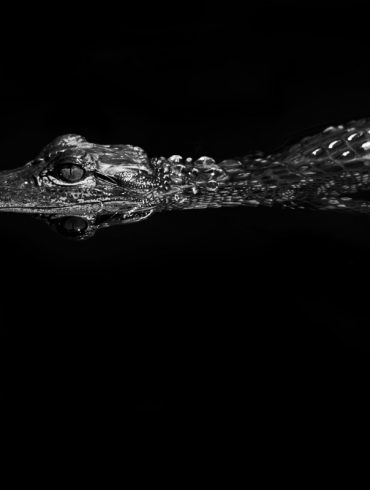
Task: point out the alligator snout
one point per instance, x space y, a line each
18 189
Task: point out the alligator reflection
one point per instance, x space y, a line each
82 227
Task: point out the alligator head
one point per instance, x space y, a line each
78 187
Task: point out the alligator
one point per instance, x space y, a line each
80 187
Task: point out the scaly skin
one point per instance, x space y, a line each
80 187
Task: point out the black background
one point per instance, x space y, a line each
241 309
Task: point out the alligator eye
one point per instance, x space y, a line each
72 226
70 172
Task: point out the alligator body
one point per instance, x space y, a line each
79 187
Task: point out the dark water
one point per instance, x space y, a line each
188 311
